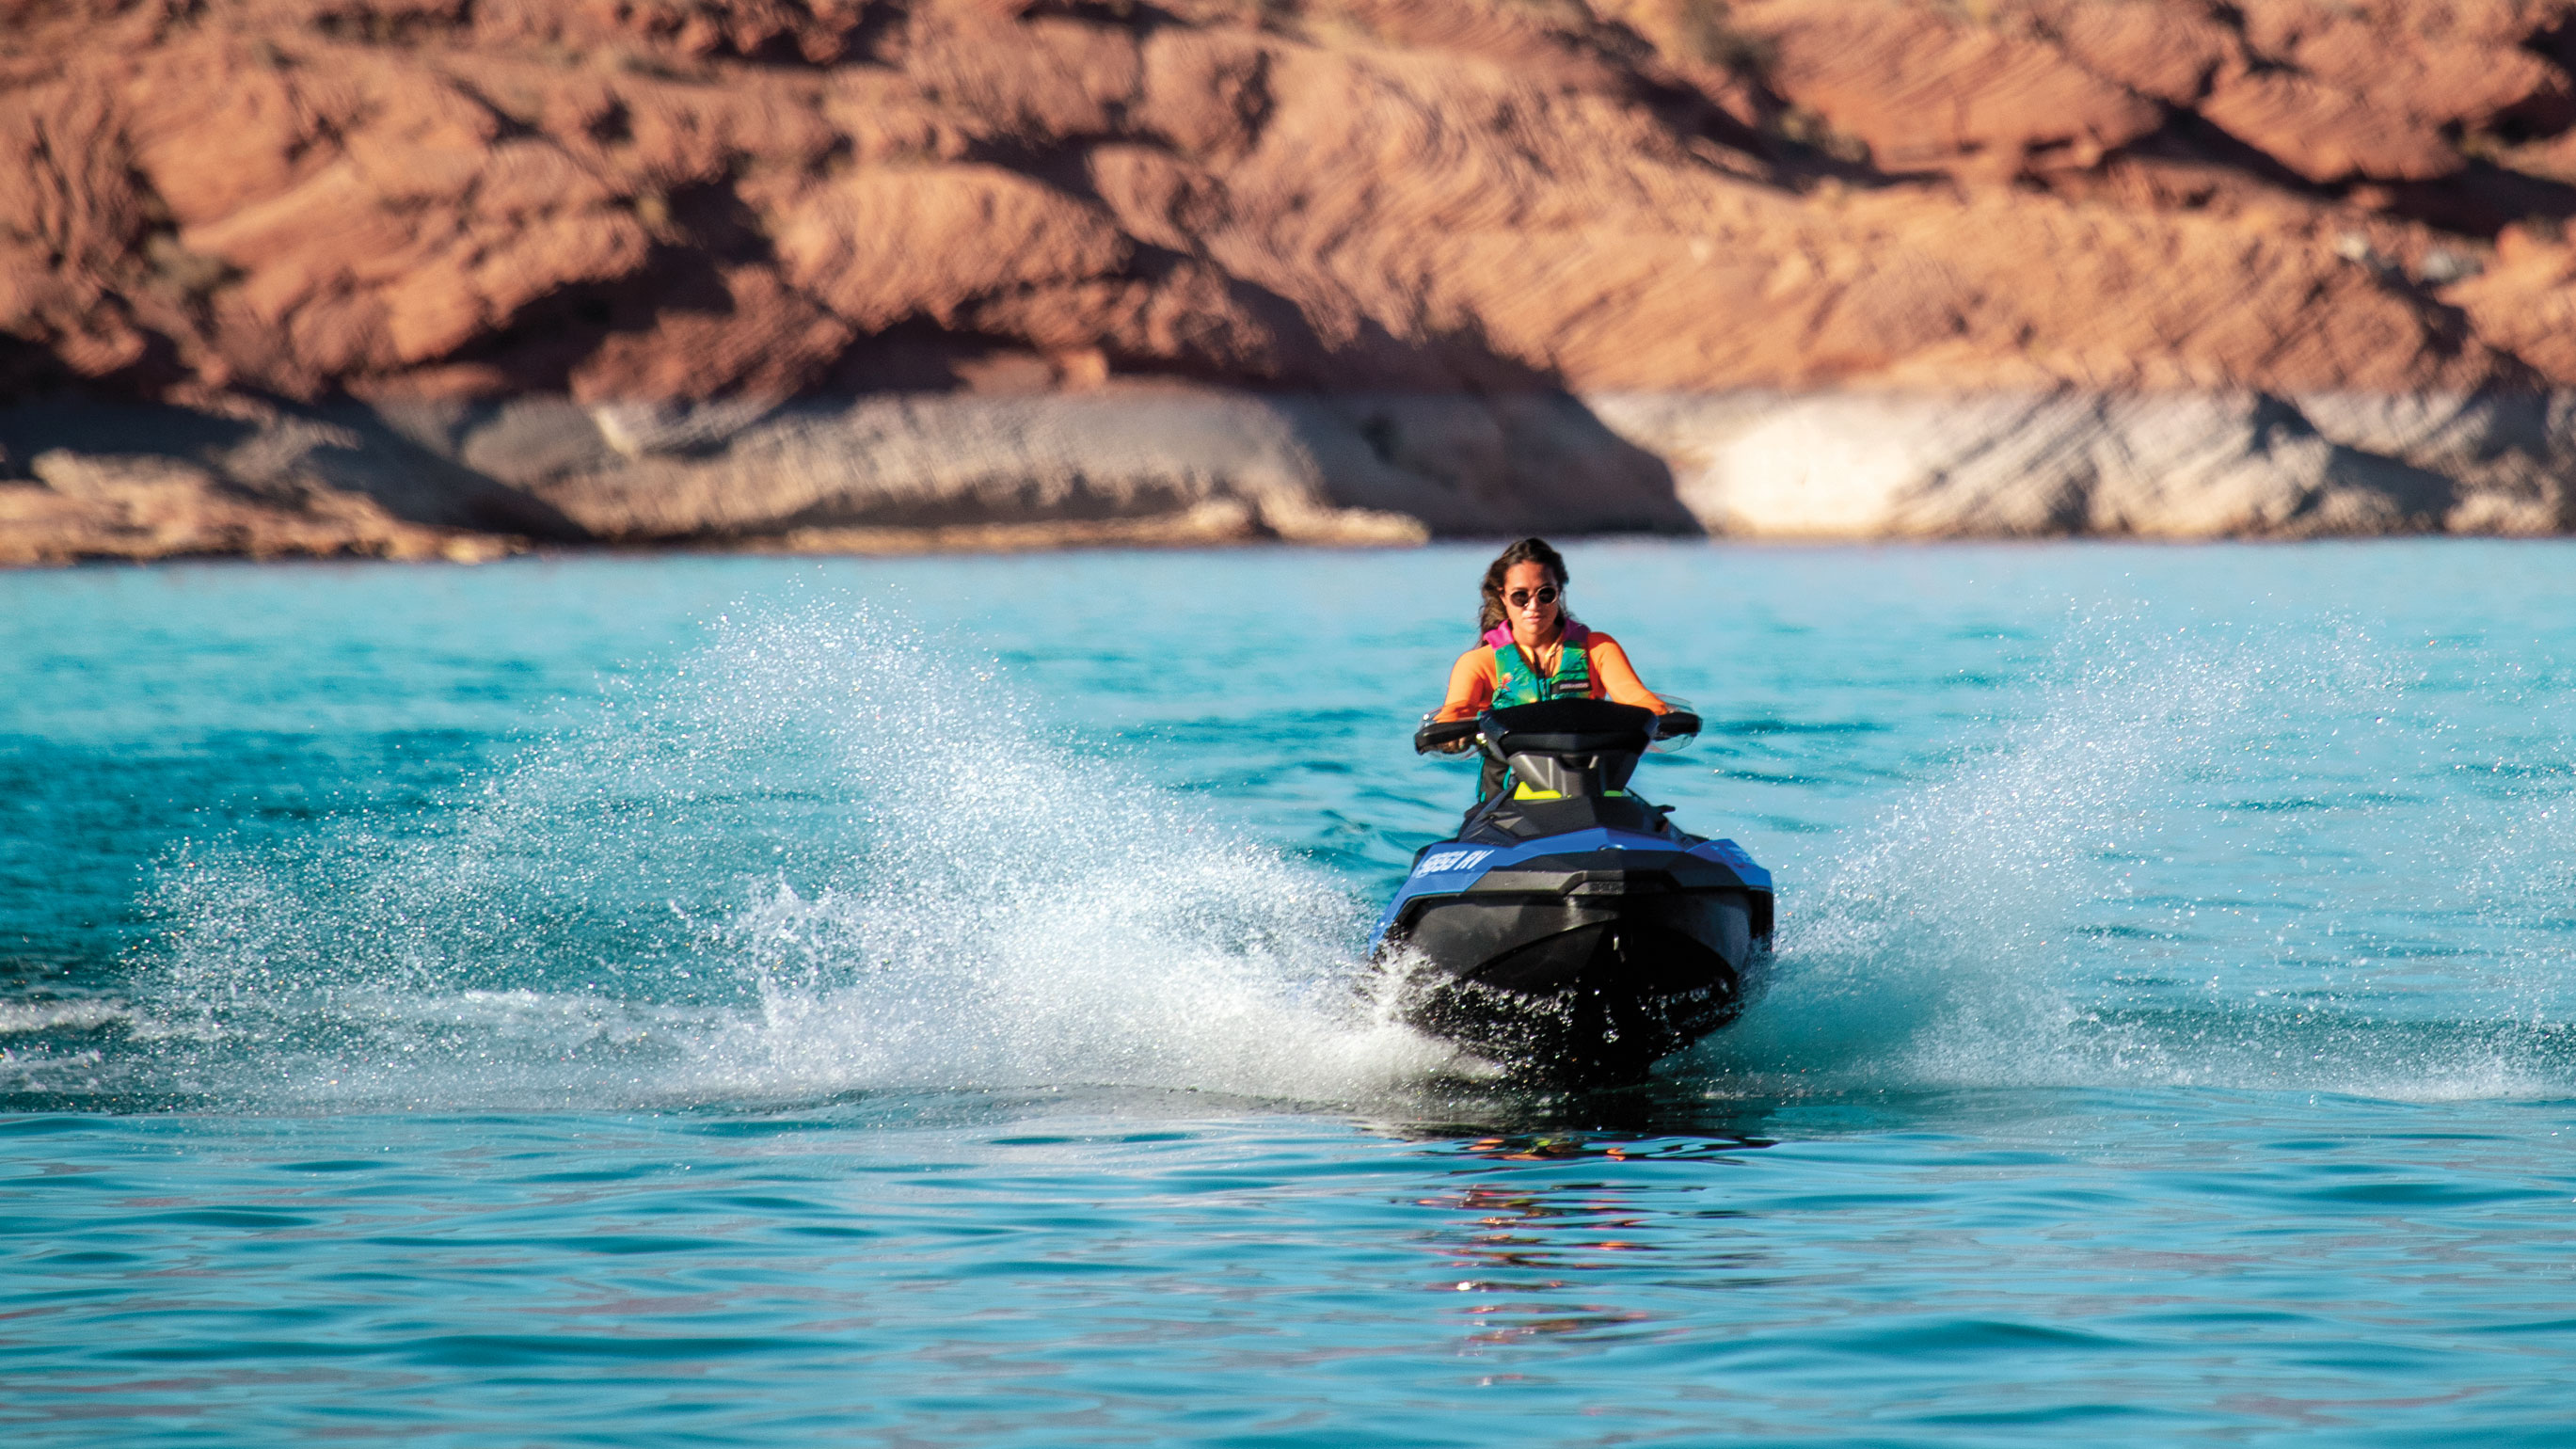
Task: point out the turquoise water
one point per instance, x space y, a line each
729 1001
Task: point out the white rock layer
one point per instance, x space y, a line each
2211 465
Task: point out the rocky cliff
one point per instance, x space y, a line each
446 276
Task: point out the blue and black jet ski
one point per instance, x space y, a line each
1570 933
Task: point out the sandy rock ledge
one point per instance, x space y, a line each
912 473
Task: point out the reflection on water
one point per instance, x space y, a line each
1536 1255
1514 1243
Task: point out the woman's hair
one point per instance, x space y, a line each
1528 550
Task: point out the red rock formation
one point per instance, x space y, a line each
637 200
690 198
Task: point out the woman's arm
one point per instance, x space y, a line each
1471 685
1619 681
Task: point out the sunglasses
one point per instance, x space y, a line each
1521 597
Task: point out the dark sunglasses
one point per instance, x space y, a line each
1520 597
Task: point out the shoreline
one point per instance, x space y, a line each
551 554
1164 466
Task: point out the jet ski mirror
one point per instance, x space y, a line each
1675 728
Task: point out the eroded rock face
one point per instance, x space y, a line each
467 480
2126 213
139 506
872 474
692 198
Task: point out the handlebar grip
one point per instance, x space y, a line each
1438 732
1676 724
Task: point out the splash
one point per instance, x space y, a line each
2150 881
820 856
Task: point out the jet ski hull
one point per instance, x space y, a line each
1578 959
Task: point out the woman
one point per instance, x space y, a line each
1534 650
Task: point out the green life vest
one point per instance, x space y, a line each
1517 683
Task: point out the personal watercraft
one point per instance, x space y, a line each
1570 932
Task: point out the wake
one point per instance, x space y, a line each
822 856
819 858
2204 859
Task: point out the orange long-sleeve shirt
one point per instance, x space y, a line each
1476 675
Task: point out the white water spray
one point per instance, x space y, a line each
820 856
2128 890
823 857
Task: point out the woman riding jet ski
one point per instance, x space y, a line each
1569 931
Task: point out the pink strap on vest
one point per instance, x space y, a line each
1500 636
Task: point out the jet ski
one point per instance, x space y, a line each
1570 932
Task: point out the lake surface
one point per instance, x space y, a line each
747 1002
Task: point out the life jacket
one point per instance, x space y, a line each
1516 683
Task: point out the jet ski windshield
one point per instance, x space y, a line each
1561 726
1582 727
1560 764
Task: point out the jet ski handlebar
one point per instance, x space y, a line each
1439 736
